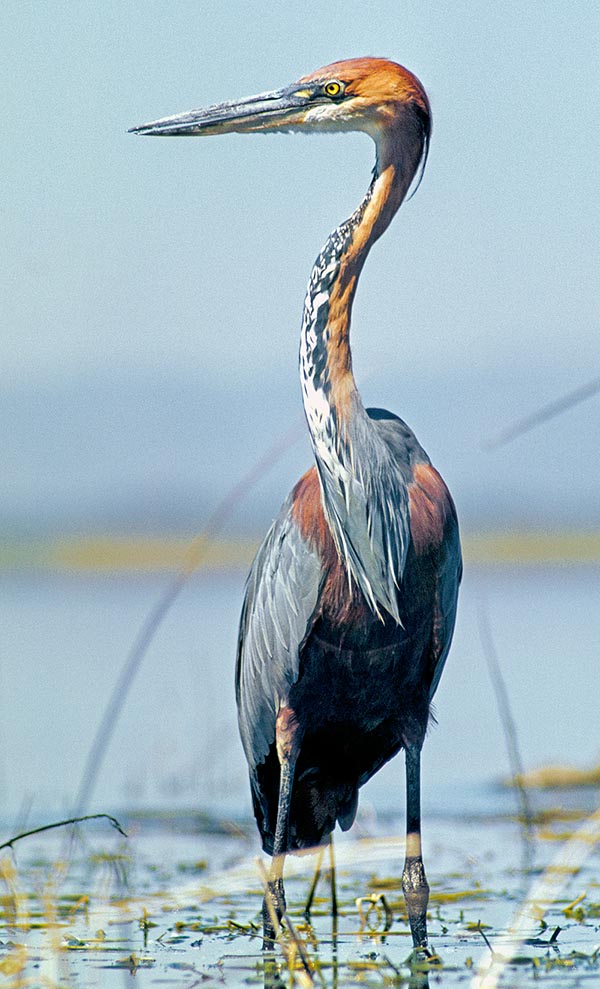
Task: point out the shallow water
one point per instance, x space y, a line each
64 642
176 905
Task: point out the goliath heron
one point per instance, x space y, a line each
351 600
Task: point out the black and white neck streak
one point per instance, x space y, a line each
358 511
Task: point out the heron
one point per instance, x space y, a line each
351 600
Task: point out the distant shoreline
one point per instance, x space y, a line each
159 554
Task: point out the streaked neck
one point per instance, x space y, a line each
329 390
349 452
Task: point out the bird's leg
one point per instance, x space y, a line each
414 881
332 882
274 902
287 738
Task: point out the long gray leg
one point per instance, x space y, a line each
414 881
287 739
332 881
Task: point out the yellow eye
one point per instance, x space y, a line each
333 89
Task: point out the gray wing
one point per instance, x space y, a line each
280 601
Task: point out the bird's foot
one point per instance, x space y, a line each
273 909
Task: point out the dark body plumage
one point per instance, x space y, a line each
364 683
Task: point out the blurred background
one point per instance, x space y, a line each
151 301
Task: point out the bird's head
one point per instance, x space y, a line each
361 94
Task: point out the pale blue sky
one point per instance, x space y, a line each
133 265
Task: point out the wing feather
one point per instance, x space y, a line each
279 604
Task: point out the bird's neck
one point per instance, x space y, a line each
331 398
341 433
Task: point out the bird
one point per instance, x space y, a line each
351 600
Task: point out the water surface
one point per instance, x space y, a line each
65 638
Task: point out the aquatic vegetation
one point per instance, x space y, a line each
180 908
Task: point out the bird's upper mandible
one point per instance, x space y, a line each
368 94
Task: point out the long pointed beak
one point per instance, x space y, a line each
281 109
